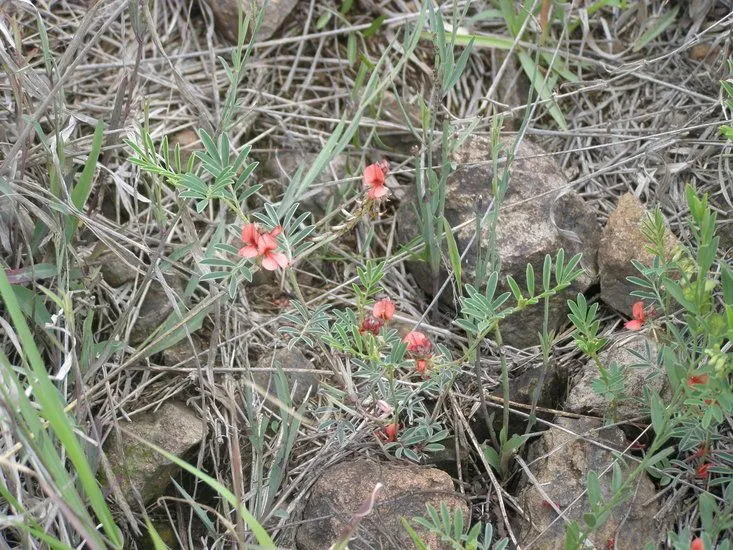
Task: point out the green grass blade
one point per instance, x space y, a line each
658 28
81 191
52 408
259 532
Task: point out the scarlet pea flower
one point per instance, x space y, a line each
389 432
695 379
384 309
374 176
697 544
421 366
702 470
371 324
264 245
418 343
638 317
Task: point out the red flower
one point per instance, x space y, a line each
697 544
389 432
701 452
421 365
371 324
384 309
374 175
702 470
259 244
695 379
638 317
418 343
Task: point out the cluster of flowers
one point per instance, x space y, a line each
262 245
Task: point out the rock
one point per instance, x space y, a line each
584 399
325 187
304 383
189 143
525 232
116 271
560 462
174 428
182 353
621 242
155 309
342 489
227 18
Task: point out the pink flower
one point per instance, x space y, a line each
638 317
250 237
384 309
417 343
264 245
374 176
697 544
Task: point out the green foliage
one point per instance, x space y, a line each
694 297
482 311
453 531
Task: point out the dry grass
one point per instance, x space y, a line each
645 122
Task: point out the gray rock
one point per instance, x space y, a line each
525 232
137 468
227 18
182 353
621 242
560 462
637 380
300 382
342 489
115 271
155 309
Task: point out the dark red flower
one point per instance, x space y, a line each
702 470
388 434
695 379
421 366
371 324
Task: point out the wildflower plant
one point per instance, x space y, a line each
691 297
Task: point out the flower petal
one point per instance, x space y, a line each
634 324
250 234
637 311
269 263
248 251
373 175
280 258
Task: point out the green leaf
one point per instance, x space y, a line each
83 188
530 280
454 255
374 27
658 28
351 49
543 86
491 456
595 497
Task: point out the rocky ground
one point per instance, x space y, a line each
299 433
